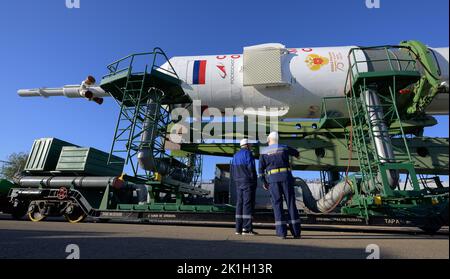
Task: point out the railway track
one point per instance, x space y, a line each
404 230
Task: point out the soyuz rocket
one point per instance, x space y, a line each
290 81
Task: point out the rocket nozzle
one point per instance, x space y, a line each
98 100
90 80
89 95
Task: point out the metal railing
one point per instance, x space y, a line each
380 59
118 67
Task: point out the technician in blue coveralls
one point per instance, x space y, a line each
276 176
245 179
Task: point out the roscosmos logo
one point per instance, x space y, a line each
222 70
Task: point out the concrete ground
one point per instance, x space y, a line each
25 240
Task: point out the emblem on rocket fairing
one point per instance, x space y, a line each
222 70
315 62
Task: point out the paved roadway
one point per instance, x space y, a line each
25 240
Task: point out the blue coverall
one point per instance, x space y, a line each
274 170
245 179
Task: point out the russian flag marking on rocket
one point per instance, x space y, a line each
199 72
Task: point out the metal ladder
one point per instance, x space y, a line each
125 133
144 117
364 137
132 97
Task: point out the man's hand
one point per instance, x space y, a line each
266 186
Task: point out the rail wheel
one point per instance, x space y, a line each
19 212
432 226
76 215
431 229
35 214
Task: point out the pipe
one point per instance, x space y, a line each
145 153
145 156
63 181
328 202
94 182
380 131
334 196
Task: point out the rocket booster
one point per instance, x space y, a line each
293 81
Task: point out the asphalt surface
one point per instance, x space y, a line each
49 240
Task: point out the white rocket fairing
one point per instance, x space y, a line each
295 84
291 80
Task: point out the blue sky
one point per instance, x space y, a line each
46 44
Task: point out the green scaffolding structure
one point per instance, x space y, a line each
138 83
375 92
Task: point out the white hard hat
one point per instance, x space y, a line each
244 142
273 136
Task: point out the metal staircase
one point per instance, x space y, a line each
136 87
146 86
372 100
128 119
